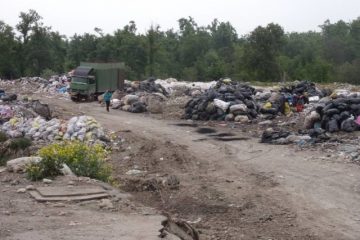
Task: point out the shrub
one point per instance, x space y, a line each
34 171
82 159
47 73
19 144
3 159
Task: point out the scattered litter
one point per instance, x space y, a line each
21 190
134 172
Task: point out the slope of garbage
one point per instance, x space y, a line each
33 120
54 86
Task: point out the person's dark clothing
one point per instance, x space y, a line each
107 105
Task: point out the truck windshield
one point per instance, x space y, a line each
79 80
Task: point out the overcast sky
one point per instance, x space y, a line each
79 16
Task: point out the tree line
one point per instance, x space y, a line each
190 53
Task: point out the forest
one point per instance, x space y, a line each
191 52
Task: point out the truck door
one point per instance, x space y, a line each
92 85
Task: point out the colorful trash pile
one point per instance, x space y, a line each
55 85
6 112
29 85
82 128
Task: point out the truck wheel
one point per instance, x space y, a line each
75 99
91 98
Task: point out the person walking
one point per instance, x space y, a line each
107 98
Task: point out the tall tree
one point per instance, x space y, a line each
28 21
263 48
8 50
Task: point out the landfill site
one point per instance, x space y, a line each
179 160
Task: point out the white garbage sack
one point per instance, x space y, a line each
238 109
221 104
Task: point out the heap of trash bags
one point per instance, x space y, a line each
227 100
140 102
139 97
82 128
335 115
149 85
305 88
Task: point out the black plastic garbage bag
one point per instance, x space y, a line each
9 98
349 125
137 107
333 126
271 136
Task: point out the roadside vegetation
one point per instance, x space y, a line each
82 159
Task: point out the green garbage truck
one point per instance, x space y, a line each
92 79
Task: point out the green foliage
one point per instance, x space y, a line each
35 172
3 137
19 144
47 73
3 159
8 49
263 48
190 53
82 159
349 72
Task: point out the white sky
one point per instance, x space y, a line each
79 16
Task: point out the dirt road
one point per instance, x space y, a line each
239 189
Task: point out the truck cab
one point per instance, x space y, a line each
83 84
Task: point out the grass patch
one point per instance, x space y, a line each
4 159
19 144
3 137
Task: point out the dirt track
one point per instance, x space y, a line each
238 189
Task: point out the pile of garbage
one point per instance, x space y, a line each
6 112
82 128
180 88
140 102
25 108
23 85
290 99
335 115
275 103
305 88
139 97
227 100
282 137
148 85
34 128
29 85
55 85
